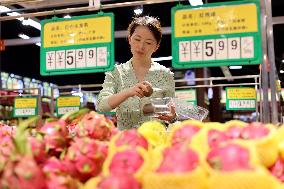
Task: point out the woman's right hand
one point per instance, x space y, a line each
139 89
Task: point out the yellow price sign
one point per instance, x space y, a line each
77 32
25 103
68 101
216 20
241 93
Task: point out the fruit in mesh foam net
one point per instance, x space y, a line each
277 169
229 157
122 181
216 138
254 131
234 132
178 159
184 134
131 138
126 162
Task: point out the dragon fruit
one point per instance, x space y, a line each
216 138
229 157
234 132
56 137
38 149
95 126
126 162
184 134
119 181
61 182
132 138
54 166
254 130
178 159
24 173
83 159
278 170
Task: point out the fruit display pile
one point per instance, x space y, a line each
84 150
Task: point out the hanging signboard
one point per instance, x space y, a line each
240 98
187 95
67 104
217 34
25 107
83 44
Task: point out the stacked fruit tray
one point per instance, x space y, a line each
84 150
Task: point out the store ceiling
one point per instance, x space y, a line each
24 60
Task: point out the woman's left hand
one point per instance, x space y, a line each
170 116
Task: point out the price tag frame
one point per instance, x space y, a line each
193 91
211 40
35 109
240 100
70 106
106 48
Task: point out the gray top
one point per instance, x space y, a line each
129 113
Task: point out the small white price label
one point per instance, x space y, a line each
64 110
25 112
242 104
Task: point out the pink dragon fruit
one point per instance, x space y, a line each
95 126
184 134
38 149
56 137
229 157
54 166
216 138
278 170
61 182
254 130
24 173
119 181
234 132
83 159
131 138
178 159
126 162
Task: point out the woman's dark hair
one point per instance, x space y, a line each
152 23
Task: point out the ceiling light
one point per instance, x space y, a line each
15 14
235 67
138 10
30 22
67 16
162 58
282 60
38 44
195 2
281 71
23 36
4 9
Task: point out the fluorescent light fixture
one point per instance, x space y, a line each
15 14
30 22
282 60
38 44
138 10
4 9
23 36
235 67
281 71
162 58
195 2
67 16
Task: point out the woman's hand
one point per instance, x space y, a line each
141 89
170 116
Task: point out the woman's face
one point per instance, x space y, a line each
142 42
